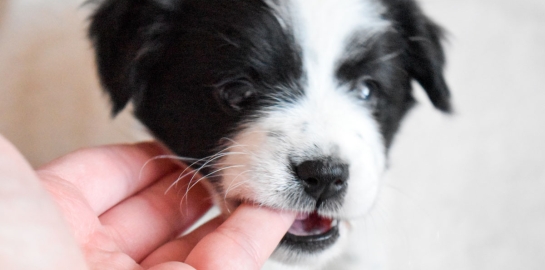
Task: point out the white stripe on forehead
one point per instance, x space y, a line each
324 123
323 28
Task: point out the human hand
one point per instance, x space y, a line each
93 209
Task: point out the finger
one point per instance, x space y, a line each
33 234
244 241
108 174
154 216
178 249
171 266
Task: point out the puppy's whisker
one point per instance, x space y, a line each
180 177
233 186
172 157
208 159
216 157
184 175
214 172
233 142
211 156
233 180
191 185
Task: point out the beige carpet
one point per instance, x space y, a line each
464 192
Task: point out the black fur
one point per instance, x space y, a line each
412 50
380 60
423 54
197 69
176 63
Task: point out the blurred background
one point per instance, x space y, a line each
465 191
50 98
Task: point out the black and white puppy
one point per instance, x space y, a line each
289 104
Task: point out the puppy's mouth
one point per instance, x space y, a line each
311 233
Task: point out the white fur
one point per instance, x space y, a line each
327 121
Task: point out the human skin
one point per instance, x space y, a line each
101 208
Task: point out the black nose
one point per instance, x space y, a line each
323 179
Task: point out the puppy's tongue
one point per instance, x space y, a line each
310 224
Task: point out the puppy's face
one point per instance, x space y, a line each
290 104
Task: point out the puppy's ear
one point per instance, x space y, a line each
424 56
126 35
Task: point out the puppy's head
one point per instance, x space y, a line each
291 104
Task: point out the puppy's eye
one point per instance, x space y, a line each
366 88
235 95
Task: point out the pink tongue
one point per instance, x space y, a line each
312 224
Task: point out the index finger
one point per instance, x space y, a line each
244 241
108 174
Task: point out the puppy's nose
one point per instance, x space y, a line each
323 179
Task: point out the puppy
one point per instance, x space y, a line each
289 104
